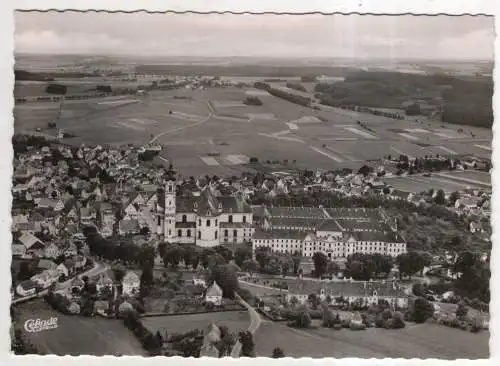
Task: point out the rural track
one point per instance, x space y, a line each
179 129
210 115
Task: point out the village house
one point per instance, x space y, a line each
46 264
214 294
52 251
33 246
63 270
104 281
26 288
130 283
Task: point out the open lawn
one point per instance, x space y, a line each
415 341
234 320
77 335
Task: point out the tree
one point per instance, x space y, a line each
119 272
410 263
296 261
247 344
187 255
226 278
241 255
173 256
423 310
195 260
313 300
250 266
365 170
278 353
146 280
439 199
294 301
285 266
303 318
320 263
461 311
328 318
454 196
262 256
332 268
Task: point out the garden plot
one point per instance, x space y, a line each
235 320
447 133
261 116
281 135
328 154
448 150
188 117
417 130
231 118
256 93
227 103
483 147
361 133
409 137
294 125
118 102
209 160
236 159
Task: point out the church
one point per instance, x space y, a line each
206 220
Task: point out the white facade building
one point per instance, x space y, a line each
206 220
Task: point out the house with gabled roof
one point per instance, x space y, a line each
52 251
214 294
33 245
105 280
130 283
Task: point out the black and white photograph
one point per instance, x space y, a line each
238 185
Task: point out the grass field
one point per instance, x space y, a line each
234 320
215 121
446 181
416 341
76 335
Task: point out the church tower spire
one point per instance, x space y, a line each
170 208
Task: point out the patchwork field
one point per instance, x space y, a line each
234 320
416 341
77 335
213 132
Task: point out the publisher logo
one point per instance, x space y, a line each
38 325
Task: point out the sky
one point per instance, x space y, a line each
352 36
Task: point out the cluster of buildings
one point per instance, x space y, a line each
336 232
364 293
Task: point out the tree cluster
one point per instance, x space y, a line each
363 267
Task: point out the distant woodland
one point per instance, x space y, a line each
465 101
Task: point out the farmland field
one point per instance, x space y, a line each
76 335
234 320
415 341
194 124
